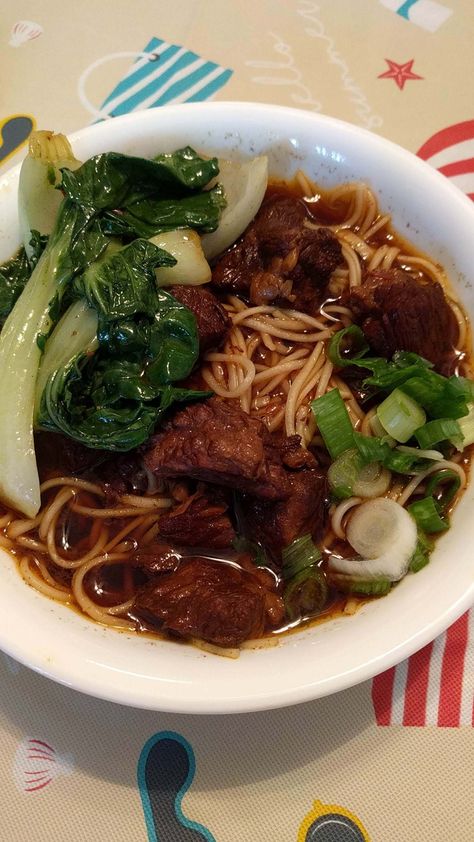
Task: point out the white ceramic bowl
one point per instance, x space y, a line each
138 671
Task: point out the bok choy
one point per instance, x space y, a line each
127 342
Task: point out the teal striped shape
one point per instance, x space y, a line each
152 83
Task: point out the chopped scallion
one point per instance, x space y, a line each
343 472
367 587
333 422
421 556
427 516
400 415
466 426
443 487
347 346
306 594
299 555
438 430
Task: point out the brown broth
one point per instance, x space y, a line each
117 583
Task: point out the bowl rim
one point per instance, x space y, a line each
128 695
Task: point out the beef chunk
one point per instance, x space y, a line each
212 320
122 473
279 225
211 601
292 454
156 558
277 523
400 313
58 455
234 271
280 259
200 521
214 441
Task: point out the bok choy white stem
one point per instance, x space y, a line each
191 267
30 320
38 198
75 333
244 186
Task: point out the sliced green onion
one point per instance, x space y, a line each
367 587
347 346
257 553
299 555
379 431
466 426
348 476
436 431
333 422
374 449
427 516
421 556
372 481
306 594
417 453
400 415
384 535
443 487
343 472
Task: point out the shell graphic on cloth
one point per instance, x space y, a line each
37 764
24 31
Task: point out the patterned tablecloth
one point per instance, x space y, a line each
390 760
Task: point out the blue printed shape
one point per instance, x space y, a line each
163 74
405 8
14 131
165 772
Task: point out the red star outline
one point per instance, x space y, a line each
400 73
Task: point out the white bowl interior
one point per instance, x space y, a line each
162 675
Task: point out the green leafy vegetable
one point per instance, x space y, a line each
87 401
441 397
113 180
123 283
78 396
150 216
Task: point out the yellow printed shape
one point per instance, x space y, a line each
327 822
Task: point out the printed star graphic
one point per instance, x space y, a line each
399 72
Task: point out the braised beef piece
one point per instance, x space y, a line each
57 455
123 473
280 259
400 313
211 601
156 558
278 523
292 454
215 441
200 521
212 320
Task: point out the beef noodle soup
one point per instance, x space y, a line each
303 461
